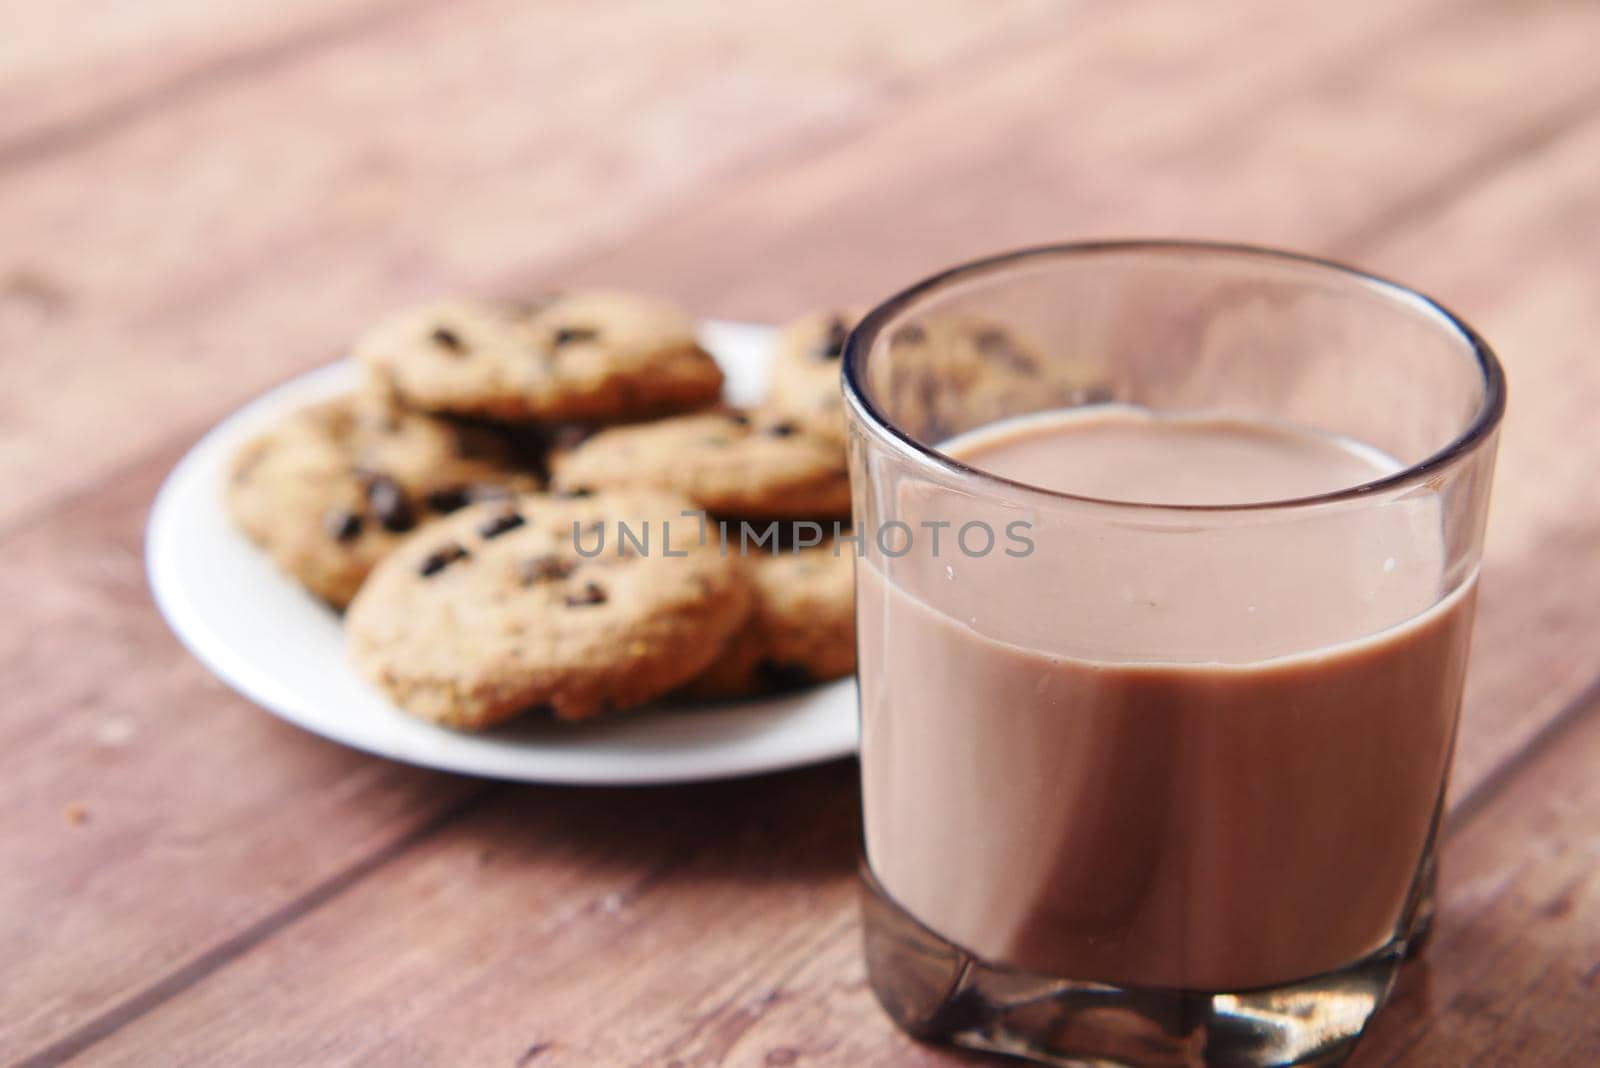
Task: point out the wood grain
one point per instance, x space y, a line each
76 68
149 814
1518 272
1316 136
649 978
594 954
199 884
1510 258
257 222
1513 975
176 861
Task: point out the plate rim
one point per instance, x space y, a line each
240 674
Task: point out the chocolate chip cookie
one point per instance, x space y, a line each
802 631
805 370
334 487
753 463
590 356
571 607
946 375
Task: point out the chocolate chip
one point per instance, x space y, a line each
738 419
990 338
544 568
571 435
567 335
440 559
910 334
530 306
590 594
449 340
389 504
1022 361
930 395
832 346
997 344
497 525
1096 394
342 525
575 493
783 430
783 674
475 441
445 501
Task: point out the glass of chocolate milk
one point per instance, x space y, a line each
1168 563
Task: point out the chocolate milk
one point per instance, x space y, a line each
1184 758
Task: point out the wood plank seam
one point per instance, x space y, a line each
1481 800
746 170
1470 806
295 45
1495 157
1448 187
198 968
1403 1054
1452 187
1248 113
776 159
206 77
745 1018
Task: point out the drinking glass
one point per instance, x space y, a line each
1131 794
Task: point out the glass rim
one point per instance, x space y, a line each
1485 420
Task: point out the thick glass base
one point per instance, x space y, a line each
939 993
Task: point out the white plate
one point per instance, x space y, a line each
270 640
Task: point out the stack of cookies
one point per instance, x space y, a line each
522 510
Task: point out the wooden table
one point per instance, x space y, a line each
198 200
